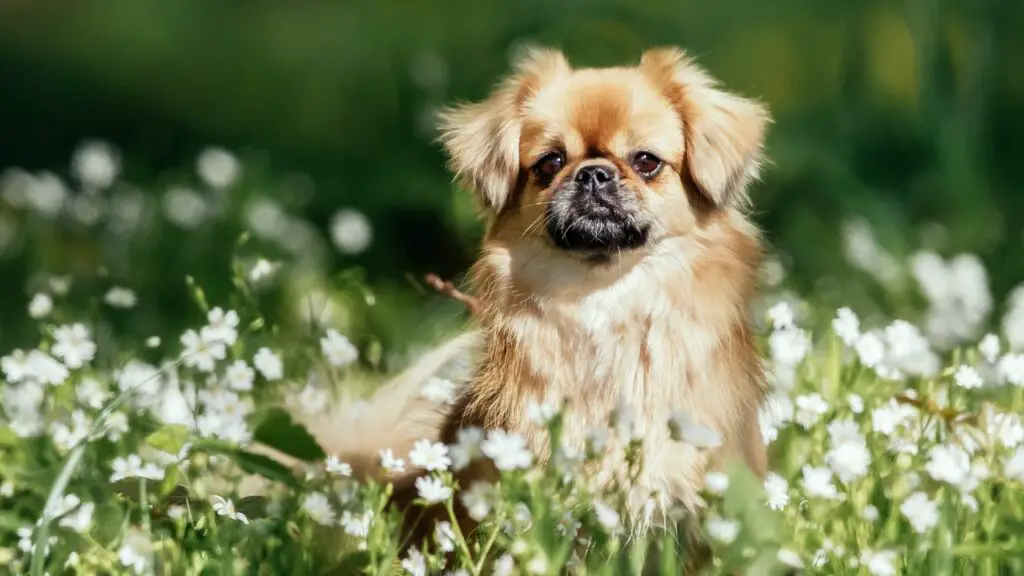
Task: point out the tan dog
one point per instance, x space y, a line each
616 270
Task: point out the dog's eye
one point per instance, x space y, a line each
646 164
549 165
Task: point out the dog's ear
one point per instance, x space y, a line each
482 138
723 132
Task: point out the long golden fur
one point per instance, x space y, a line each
659 324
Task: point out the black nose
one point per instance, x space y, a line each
595 178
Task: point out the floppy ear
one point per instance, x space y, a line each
723 133
482 138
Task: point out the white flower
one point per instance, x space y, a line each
887 417
96 164
414 563
153 342
879 563
542 413
950 464
389 463
261 269
846 430
15 366
40 306
439 390
1011 369
185 208
789 346
849 460
967 377
432 489
856 403
91 393
1005 427
312 399
357 525
175 512
722 530
338 349
508 451
922 513
268 364
870 349
870 513
430 455
239 376
119 297
336 466
445 536
789 558
67 437
607 516
351 231
781 315
683 427
202 351
1014 468
225 507
132 467
478 499
990 348
817 483
775 413
222 326
37 365
319 508
716 482
217 167
568 525
136 551
6 489
73 345
467 447
504 565
809 409
777 490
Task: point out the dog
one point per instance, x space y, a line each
615 272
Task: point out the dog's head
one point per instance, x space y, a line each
596 162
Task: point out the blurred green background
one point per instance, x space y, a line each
906 115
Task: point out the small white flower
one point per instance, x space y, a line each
445 536
260 270
789 346
96 164
886 418
136 551
336 466
319 508
845 430
568 525
684 428
856 403
45 369
268 364
1011 369
351 231
222 326
870 349
846 325
508 451
716 482
338 349
153 342
6 489
781 315
504 565
432 489
430 455
389 463
777 491
357 525
950 464
40 306
1014 468
217 167
175 512
879 563
478 499
225 507
439 390
541 413
414 563
967 377
91 393
990 348
722 530
467 447
119 297
817 483
809 409
849 460
201 351
132 466
239 376
922 513
870 513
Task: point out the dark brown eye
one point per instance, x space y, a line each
647 164
549 165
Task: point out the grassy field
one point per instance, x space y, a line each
897 441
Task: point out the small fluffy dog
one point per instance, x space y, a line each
615 272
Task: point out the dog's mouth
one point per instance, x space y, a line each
597 234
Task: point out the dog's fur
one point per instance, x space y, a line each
659 324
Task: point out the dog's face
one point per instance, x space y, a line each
596 163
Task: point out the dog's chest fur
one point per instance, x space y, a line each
655 340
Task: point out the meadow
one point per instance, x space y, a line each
895 431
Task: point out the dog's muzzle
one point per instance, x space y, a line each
590 212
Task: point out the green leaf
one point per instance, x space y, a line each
280 432
7 437
250 462
169 438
